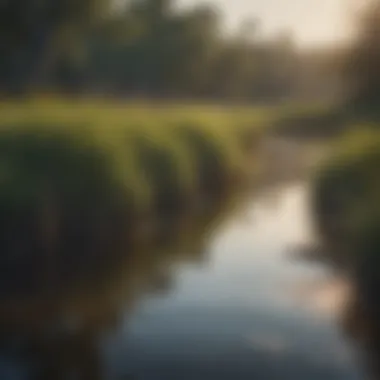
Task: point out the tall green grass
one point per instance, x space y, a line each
76 179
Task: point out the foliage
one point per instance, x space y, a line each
77 179
35 35
347 198
147 48
311 121
360 69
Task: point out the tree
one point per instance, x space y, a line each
142 47
34 33
169 53
361 65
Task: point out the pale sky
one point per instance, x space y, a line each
312 21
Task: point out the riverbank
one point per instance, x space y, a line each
83 183
236 306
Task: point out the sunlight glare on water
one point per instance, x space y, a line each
248 309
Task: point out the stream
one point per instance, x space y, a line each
249 312
240 305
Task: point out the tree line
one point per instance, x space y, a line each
360 68
149 48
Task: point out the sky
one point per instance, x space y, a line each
313 22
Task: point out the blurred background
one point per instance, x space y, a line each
189 189
221 50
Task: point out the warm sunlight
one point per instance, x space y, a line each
189 189
312 21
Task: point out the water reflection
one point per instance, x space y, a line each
214 297
241 315
55 331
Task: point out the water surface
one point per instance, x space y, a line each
236 305
248 311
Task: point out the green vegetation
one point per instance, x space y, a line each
311 121
346 202
360 66
146 48
78 179
347 199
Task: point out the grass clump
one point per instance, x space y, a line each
347 197
217 156
166 167
75 179
59 188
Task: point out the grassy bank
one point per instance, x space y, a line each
311 121
347 210
347 200
81 179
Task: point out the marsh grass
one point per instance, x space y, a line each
78 180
